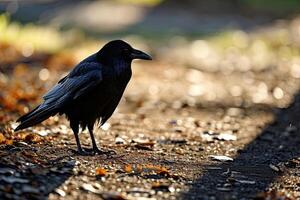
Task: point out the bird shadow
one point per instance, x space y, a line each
260 163
33 171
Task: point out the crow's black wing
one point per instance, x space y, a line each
80 80
84 77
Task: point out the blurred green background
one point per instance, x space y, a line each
152 19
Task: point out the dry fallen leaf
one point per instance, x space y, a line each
157 169
28 137
163 171
32 138
128 168
9 141
101 172
2 138
145 146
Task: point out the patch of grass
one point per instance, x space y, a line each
41 38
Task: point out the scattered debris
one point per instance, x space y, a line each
60 192
143 144
275 168
224 189
119 140
227 136
245 181
128 168
101 172
90 188
220 158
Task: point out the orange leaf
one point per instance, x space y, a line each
163 171
101 172
128 168
32 138
2 138
9 142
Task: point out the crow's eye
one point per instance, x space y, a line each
126 51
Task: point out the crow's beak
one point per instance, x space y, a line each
137 54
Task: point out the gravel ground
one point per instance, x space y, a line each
165 150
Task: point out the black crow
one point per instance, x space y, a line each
90 92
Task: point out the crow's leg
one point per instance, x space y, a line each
75 128
95 148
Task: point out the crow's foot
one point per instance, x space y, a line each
83 153
104 152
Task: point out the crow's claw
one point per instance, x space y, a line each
83 153
104 152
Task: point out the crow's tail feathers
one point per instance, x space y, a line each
37 115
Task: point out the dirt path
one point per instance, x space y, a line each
165 148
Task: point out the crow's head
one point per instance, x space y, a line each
118 49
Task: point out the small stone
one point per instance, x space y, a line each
119 140
221 158
172 189
90 188
275 168
246 181
60 192
227 136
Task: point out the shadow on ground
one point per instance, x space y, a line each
32 171
276 147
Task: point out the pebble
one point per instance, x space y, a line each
90 188
220 158
275 168
119 140
60 192
227 136
246 181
